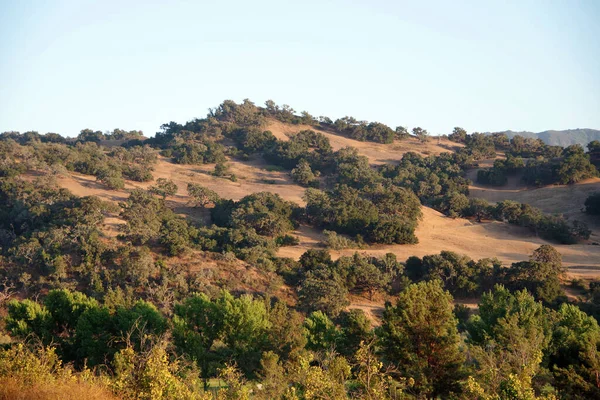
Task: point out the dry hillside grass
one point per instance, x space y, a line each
567 200
555 199
64 389
435 232
377 153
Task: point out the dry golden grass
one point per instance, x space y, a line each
377 153
568 200
253 177
437 232
13 389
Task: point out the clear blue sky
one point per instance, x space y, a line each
482 65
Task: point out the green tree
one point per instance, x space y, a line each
88 135
421 134
175 235
419 336
458 135
508 337
303 174
365 276
480 209
198 323
401 133
547 254
285 337
542 279
27 317
592 204
267 213
323 290
111 177
455 204
202 196
272 377
245 326
221 169
575 166
321 332
143 215
164 187
574 358
356 329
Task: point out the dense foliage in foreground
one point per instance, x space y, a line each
513 348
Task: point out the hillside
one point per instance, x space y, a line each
435 231
378 153
559 138
256 235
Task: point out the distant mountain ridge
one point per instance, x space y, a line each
560 138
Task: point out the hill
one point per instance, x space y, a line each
244 246
377 153
559 138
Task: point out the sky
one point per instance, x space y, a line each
481 65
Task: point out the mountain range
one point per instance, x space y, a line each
560 138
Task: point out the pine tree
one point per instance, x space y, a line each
419 336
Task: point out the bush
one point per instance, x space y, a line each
322 290
287 240
338 242
138 173
221 169
493 176
111 178
592 204
164 187
303 174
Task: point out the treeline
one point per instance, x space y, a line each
346 126
110 166
538 163
573 165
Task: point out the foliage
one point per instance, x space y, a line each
303 174
508 336
338 242
420 338
202 196
381 216
164 187
460 275
592 204
322 290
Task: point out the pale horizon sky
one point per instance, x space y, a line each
484 66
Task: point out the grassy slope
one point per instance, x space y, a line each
435 232
377 153
567 200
